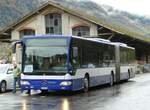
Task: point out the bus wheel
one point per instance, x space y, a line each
128 75
86 84
29 92
44 91
111 80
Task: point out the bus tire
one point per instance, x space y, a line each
86 83
29 92
112 79
44 91
128 74
3 86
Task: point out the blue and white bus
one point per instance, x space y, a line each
70 63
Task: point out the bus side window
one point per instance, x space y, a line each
75 56
75 52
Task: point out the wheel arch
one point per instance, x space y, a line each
3 81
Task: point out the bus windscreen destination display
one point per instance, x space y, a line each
46 42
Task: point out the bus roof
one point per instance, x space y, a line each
98 40
122 45
44 36
62 36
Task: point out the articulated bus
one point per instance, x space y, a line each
71 63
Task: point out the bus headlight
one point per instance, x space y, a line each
25 83
65 83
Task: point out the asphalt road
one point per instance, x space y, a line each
131 95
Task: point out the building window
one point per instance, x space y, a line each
81 31
26 32
53 24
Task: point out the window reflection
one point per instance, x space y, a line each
65 104
24 105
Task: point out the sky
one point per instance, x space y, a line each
140 7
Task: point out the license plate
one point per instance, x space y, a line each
44 88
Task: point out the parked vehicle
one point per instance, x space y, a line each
6 77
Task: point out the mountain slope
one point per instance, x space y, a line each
119 20
12 10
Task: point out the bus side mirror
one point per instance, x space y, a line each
75 52
16 45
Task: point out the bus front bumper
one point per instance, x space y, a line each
49 85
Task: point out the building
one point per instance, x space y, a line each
54 18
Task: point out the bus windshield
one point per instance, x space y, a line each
45 60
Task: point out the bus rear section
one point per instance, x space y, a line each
127 62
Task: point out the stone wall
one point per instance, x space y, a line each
5 51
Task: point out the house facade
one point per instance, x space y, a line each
54 21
